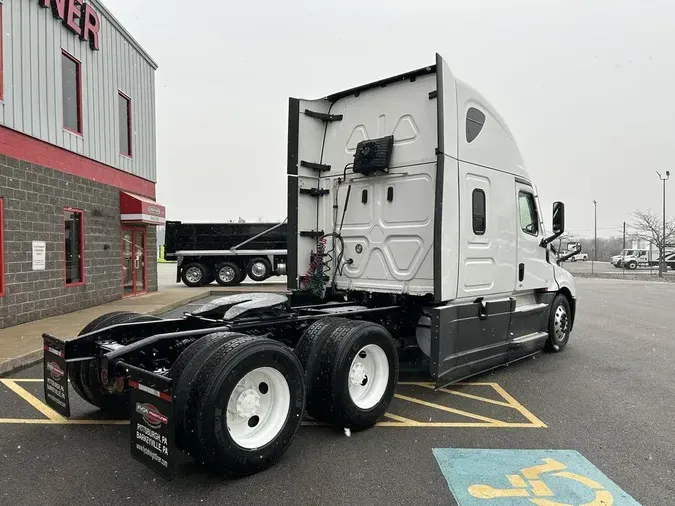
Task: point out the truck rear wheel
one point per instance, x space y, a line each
74 368
195 274
90 377
259 269
357 371
228 274
245 404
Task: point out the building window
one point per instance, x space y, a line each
478 205
475 120
124 104
529 221
2 249
73 220
71 83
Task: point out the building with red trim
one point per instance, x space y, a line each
78 170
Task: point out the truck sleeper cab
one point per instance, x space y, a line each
414 231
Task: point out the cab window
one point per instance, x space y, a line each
529 220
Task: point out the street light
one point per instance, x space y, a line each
595 240
662 263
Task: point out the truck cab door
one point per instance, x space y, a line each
533 271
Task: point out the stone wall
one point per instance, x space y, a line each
34 199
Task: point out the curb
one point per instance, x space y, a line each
16 364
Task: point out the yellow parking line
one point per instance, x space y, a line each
32 400
404 422
28 380
468 396
517 405
450 410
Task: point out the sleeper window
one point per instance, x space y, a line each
528 214
478 205
475 120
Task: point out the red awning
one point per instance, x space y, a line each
137 209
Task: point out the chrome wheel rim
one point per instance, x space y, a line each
226 274
560 323
259 269
193 274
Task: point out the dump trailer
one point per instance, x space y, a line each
414 235
226 252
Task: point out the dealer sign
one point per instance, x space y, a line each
79 17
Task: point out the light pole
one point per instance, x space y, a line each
595 236
662 264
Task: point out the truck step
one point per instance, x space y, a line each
311 233
314 192
531 308
526 339
323 116
320 167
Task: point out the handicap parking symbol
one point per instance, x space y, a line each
520 477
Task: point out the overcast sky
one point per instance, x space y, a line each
587 88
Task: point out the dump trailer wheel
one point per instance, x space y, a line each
74 368
559 324
357 375
228 274
183 372
195 274
90 377
259 269
246 405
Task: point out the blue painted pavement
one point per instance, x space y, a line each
478 477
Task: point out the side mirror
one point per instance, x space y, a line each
558 218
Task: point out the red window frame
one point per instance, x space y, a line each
78 77
2 249
82 264
126 97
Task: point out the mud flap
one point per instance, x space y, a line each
55 371
152 422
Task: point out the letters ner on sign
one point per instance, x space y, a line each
79 17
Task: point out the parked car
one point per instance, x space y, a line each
581 256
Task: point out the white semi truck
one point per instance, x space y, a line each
414 231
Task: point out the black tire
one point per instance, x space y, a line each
89 373
559 325
183 372
253 269
74 369
309 346
331 401
195 274
207 430
632 265
231 274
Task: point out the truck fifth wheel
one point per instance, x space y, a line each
413 230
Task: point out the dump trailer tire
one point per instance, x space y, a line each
559 324
228 274
246 405
310 344
358 371
183 372
74 369
195 274
259 269
90 377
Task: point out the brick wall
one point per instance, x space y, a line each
34 199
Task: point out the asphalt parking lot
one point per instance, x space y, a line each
599 415
588 267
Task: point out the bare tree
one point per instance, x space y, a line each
648 226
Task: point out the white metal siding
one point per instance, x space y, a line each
33 40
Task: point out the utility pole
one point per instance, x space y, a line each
662 263
595 240
623 267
